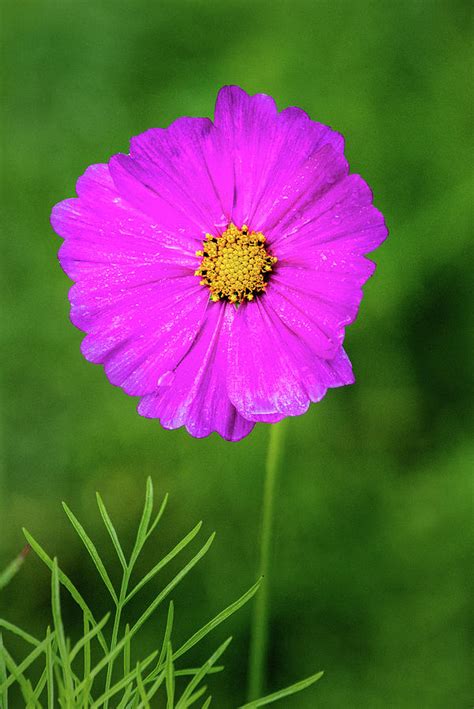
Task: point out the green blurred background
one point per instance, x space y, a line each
374 524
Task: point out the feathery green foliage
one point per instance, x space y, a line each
87 673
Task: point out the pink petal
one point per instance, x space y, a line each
307 317
139 183
147 340
173 175
184 162
317 300
157 347
343 218
262 149
301 190
135 293
194 395
246 126
272 371
261 377
103 218
317 283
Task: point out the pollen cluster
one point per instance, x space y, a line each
236 265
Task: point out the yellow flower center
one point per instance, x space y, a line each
236 265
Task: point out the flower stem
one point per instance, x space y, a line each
259 630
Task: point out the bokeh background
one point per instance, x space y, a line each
373 531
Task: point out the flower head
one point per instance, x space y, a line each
217 265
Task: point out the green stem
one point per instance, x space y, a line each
259 630
115 631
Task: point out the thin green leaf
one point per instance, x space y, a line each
193 684
197 695
126 652
167 635
93 553
207 703
169 677
100 666
40 685
20 669
111 530
13 568
49 669
158 516
87 637
59 630
282 693
18 631
123 682
220 617
3 674
115 630
144 522
141 689
87 660
16 675
59 682
29 695
166 559
110 656
174 582
194 670
67 583
156 685
125 701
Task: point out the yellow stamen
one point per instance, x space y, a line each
236 265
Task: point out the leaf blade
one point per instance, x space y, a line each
217 620
93 553
167 633
66 582
3 674
18 631
193 684
164 561
87 637
111 530
282 693
174 582
49 671
123 682
20 669
144 522
59 631
169 678
158 516
141 689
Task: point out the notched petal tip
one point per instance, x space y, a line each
232 101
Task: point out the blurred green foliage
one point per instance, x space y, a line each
374 514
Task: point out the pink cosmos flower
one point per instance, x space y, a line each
217 265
